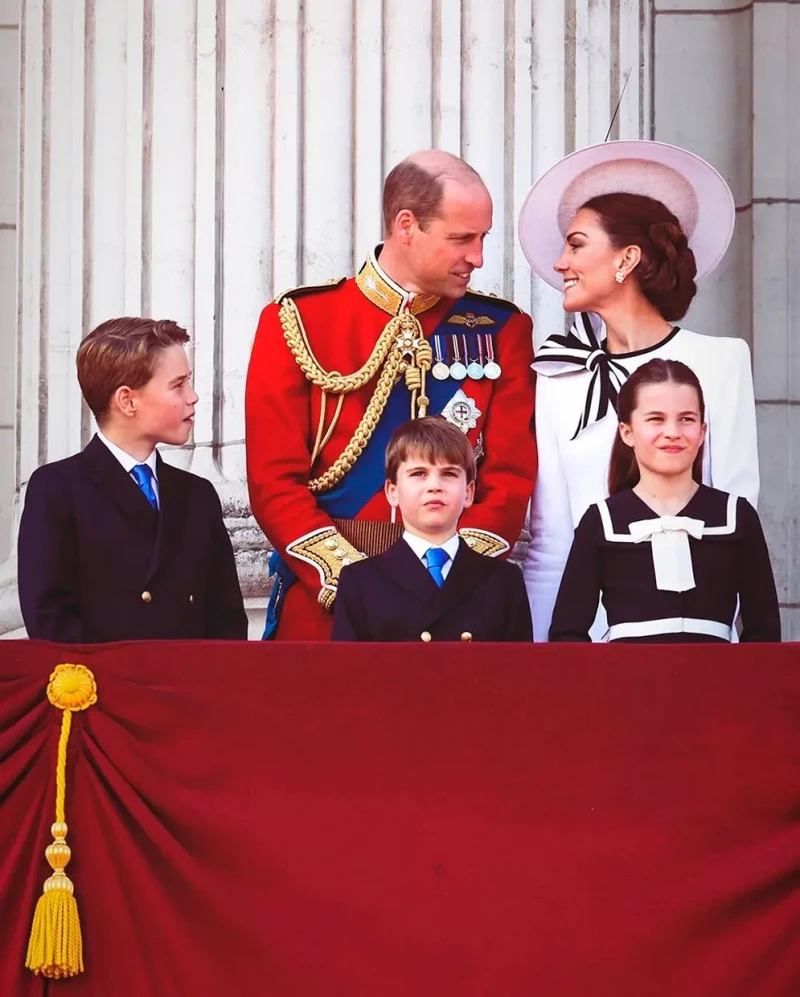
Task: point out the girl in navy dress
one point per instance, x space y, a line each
671 559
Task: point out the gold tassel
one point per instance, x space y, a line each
55 949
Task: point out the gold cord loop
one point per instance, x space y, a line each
401 349
335 384
366 427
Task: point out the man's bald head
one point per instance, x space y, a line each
417 185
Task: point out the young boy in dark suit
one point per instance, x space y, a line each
430 585
114 543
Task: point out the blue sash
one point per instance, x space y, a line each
367 476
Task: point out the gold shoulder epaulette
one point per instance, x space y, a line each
495 298
298 292
483 542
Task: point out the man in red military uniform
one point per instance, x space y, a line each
335 369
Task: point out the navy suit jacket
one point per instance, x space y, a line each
392 597
97 563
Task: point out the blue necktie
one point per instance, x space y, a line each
143 476
436 559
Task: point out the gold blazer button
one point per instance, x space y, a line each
466 635
146 597
425 636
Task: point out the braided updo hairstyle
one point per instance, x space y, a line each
667 268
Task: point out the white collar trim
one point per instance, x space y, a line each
612 537
421 547
127 461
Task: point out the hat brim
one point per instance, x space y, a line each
689 186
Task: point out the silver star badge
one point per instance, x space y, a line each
462 411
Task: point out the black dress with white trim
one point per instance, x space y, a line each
669 579
576 425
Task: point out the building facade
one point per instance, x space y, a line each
191 158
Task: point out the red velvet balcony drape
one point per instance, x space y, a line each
319 820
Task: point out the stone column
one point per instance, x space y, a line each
9 174
191 158
776 288
702 99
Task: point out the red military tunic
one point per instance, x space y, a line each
342 323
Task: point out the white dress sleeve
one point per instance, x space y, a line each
733 438
551 523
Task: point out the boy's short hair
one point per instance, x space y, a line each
435 440
122 351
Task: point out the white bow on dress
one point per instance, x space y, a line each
672 556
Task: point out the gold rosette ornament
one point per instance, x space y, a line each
55 949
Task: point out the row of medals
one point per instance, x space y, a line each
475 369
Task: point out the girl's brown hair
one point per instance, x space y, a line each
667 268
623 471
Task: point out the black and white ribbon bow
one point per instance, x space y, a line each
581 349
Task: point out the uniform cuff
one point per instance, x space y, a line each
328 551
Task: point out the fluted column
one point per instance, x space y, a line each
9 177
776 288
703 98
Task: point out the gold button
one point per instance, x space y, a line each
466 635
425 636
470 541
339 553
346 561
146 597
331 544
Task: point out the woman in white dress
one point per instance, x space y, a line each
624 229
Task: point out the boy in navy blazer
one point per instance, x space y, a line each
114 543
430 585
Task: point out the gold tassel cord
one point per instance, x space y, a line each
323 405
418 357
330 430
424 360
55 949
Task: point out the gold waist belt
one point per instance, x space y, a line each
369 537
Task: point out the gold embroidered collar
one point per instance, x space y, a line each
376 285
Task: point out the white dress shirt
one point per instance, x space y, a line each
573 473
129 462
421 548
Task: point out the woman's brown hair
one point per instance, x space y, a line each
623 470
667 268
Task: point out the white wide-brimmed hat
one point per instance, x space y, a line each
691 188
